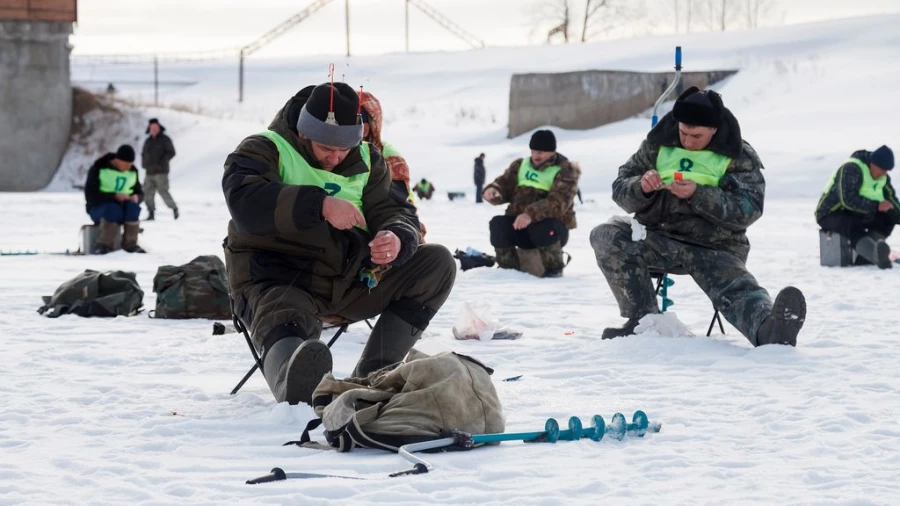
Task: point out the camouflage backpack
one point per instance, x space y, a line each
92 293
197 289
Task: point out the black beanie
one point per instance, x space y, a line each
346 103
883 157
699 108
543 140
125 153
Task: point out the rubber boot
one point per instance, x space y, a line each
390 341
507 258
175 212
624 330
873 248
786 320
130 237
293 368
552 257
106 238
151 215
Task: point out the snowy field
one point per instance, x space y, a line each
134 410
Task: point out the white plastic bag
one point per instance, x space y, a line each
475 322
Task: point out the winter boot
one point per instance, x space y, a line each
175 212
390 341
530 261
151 215
293 368
552 258
873 248
624 330
507 258
786 320
130 237
106 239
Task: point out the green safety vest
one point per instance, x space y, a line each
540 179
389 150
423 187
871 188
295 170
116 181
705 168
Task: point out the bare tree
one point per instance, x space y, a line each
554 16
602 16
757 11
719 13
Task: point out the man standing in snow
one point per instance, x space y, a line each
695 185
156 154
861 204
320 233
540 190
113 194
479 178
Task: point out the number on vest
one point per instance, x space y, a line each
120 183
531 176
332 189
686 164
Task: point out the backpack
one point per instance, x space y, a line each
92 293
197 289
421 399
472 258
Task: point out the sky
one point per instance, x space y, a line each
376 26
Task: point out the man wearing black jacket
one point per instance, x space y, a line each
113 194
156 154
861 204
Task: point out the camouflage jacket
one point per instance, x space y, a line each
558 203
277 235
844 193
716 217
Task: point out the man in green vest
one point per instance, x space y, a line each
424 189
860 204
112 194
694 187
319 233
540 190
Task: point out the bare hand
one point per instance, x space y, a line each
683 189
341 214
522 221
121 197
384 248
491 195
650 181
885 206
134 198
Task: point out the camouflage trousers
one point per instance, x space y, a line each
722 275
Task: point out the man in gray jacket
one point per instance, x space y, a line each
155 156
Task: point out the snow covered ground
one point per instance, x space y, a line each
137 410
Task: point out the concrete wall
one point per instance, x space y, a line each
35 102
588 99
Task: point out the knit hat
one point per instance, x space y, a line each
699 108
154 121
125 153
340 129
883 157
543 140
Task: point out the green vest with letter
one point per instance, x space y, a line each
705 168
116 181
533 178
295 170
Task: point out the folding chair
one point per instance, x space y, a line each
257 361
660 275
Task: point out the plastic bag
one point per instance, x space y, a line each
478 322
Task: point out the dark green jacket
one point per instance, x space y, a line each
277 235
716 217
156 154
844 193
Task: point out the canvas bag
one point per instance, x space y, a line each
421 399
197 289
92 293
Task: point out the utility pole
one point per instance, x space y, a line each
241 77
406 3
347 17
156 80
